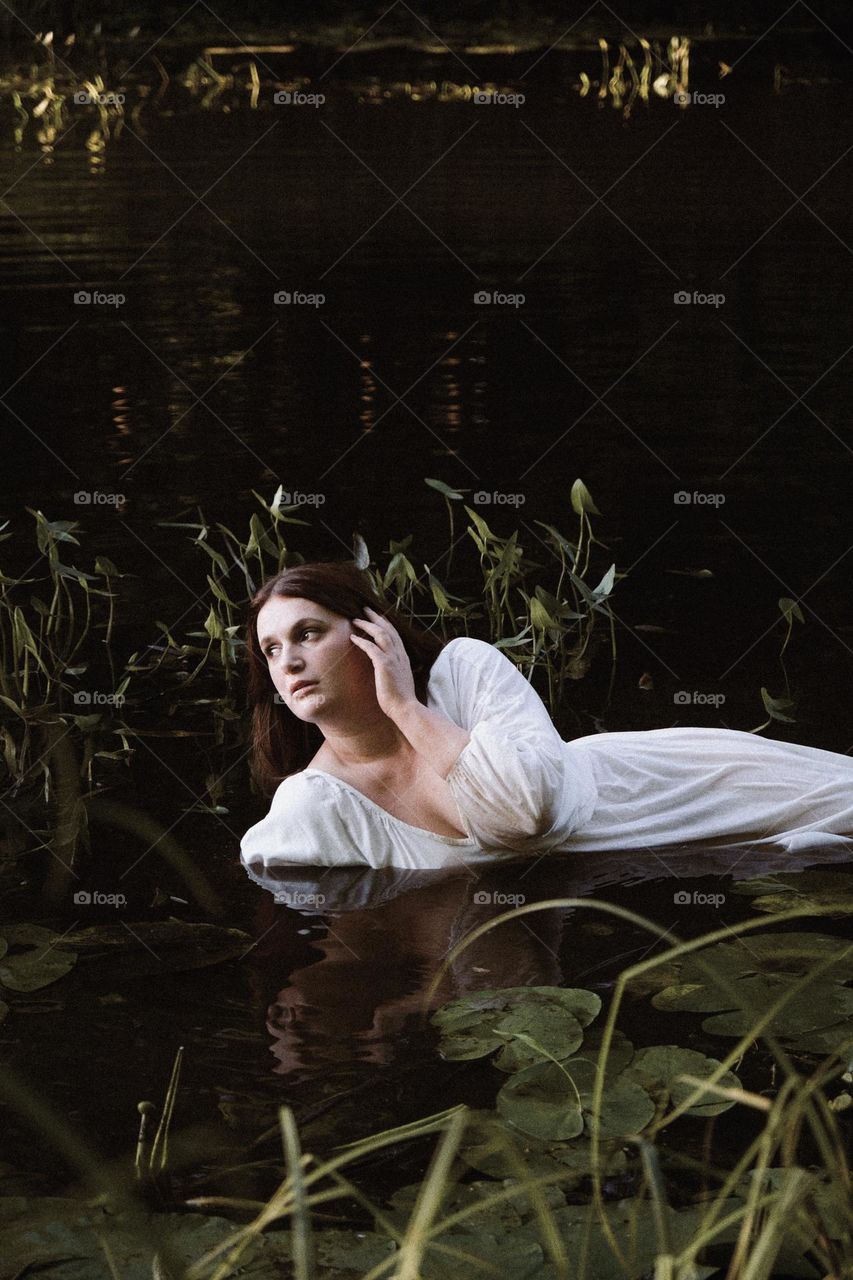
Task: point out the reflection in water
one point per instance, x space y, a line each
388 931
47 102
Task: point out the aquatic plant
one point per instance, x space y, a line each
571 1176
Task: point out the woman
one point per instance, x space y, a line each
383 746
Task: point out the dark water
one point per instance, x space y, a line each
325 1011
198 389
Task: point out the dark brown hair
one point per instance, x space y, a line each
281 743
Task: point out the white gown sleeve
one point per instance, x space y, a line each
303 827
514 782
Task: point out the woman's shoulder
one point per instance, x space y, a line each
466 650
299 790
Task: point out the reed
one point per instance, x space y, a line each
766 1210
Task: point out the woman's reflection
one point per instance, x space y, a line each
376 964
363 976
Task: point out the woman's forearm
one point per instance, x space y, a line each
435 738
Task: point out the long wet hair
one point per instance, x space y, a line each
281 743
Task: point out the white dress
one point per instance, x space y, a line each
520 789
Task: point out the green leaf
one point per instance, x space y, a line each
790 608
477 1024
658 1067
40 963
776 707
442 488
554 1100
759 970
539 615
582 499
605 586
820 892
542 1101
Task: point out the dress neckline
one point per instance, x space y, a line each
421 831
390 817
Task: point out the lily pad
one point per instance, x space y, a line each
512 1224
820 892
40 962
633 1223
755 972
488 1151
510 1018
61 1239
144 948
658 1068
554 1100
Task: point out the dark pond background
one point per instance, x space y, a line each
199 388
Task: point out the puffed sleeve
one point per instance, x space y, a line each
302 826
515 782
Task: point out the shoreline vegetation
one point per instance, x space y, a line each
73 709
473 27
58 62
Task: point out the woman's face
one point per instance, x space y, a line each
303 641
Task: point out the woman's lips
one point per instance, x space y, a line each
303 688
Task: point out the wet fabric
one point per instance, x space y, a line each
521 789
